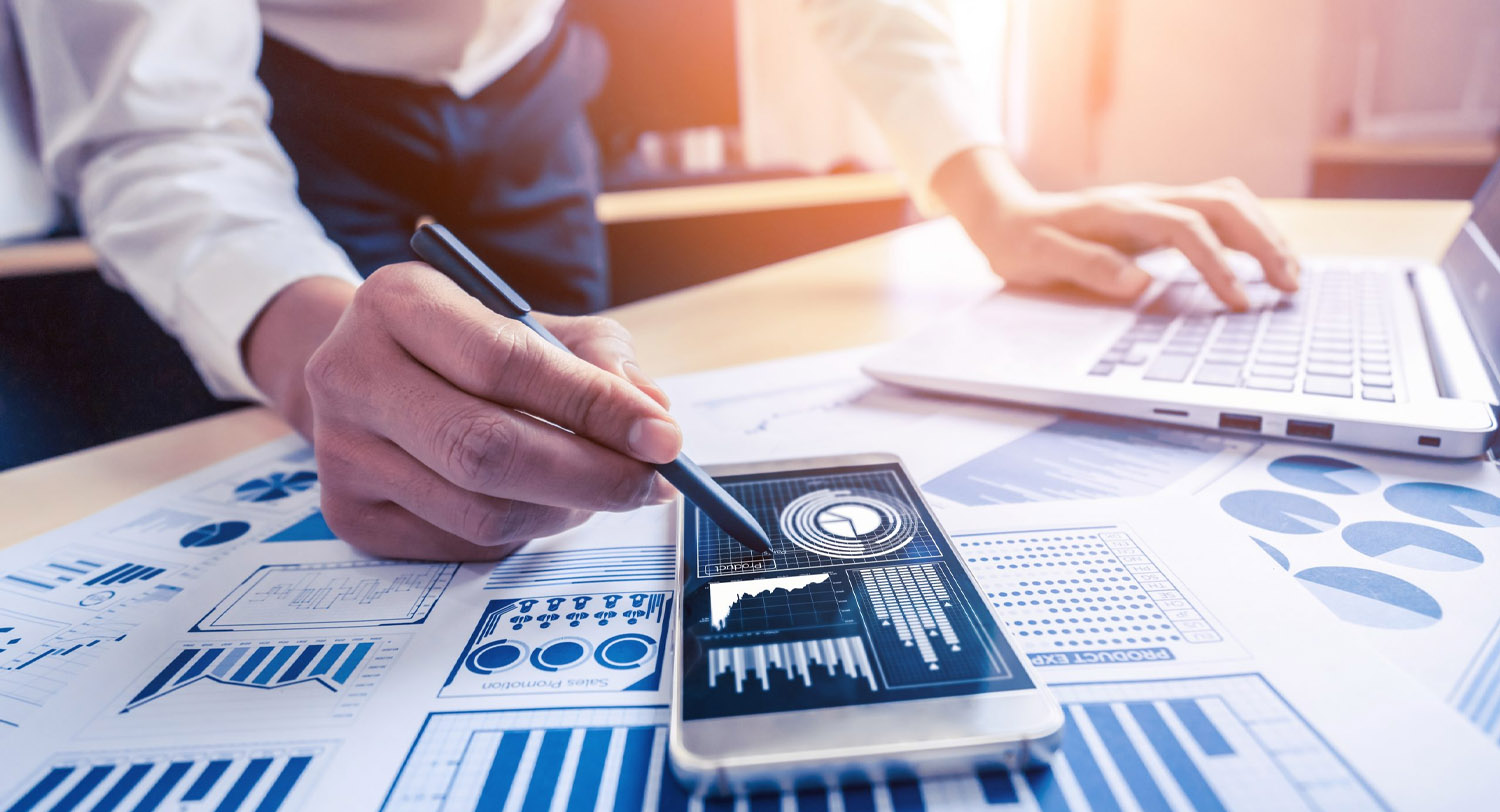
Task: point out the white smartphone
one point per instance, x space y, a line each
858 648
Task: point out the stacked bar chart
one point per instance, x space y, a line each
262 779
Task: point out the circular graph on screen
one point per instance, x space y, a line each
846 524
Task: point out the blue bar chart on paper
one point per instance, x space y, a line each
861 600
288 597
249 684
263 779
1211 743
83 578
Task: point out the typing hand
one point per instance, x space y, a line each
427 415
1088 238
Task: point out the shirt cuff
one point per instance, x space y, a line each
233 283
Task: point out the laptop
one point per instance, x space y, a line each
1382 353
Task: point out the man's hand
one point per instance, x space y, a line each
1088 238
438 425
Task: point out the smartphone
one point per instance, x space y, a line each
859 647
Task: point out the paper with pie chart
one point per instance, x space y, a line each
609 641
1403 550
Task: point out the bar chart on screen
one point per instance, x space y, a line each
252 684
291 597
260 778
1208 743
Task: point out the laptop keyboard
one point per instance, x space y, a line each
1332 338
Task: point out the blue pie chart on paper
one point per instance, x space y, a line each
1413 545
1324 474
1371 598
1280 512
1442 502
275 486
559 654
210 534
494 656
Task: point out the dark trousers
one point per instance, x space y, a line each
512 170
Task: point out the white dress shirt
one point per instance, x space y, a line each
151 118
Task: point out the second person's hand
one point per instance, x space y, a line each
1089 238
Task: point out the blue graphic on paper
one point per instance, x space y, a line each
312 528
1372 598
594 642
1280 512
329 596
1324 474
1441 502
1075 458
1215 743
1413 545
262 779
212 535
275 486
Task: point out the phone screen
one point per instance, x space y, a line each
862 600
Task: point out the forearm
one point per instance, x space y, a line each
978 185
284 336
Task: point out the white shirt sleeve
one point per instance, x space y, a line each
900 60
151 118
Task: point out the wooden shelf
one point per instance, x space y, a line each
1469 151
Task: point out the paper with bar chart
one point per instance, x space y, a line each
253 684
858 602
210 645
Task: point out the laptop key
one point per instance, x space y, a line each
1261 371
1324 385
1381 381
1276 359
1102 368
1172 368
1218 374
1272 384
1331 370
1384 395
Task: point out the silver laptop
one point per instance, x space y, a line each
1379 353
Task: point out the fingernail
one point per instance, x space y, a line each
662 491
1241 297
655 440
643 382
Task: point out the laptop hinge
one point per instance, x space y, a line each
1460 372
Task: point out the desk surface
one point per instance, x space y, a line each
872 290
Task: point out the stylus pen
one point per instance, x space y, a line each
443 251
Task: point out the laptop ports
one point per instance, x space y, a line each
1239 422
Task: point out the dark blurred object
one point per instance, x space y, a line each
81 364
673 65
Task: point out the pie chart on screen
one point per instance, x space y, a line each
1324 474
1280 512
1371 598
1441 502
849 520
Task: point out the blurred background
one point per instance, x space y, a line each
728 144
